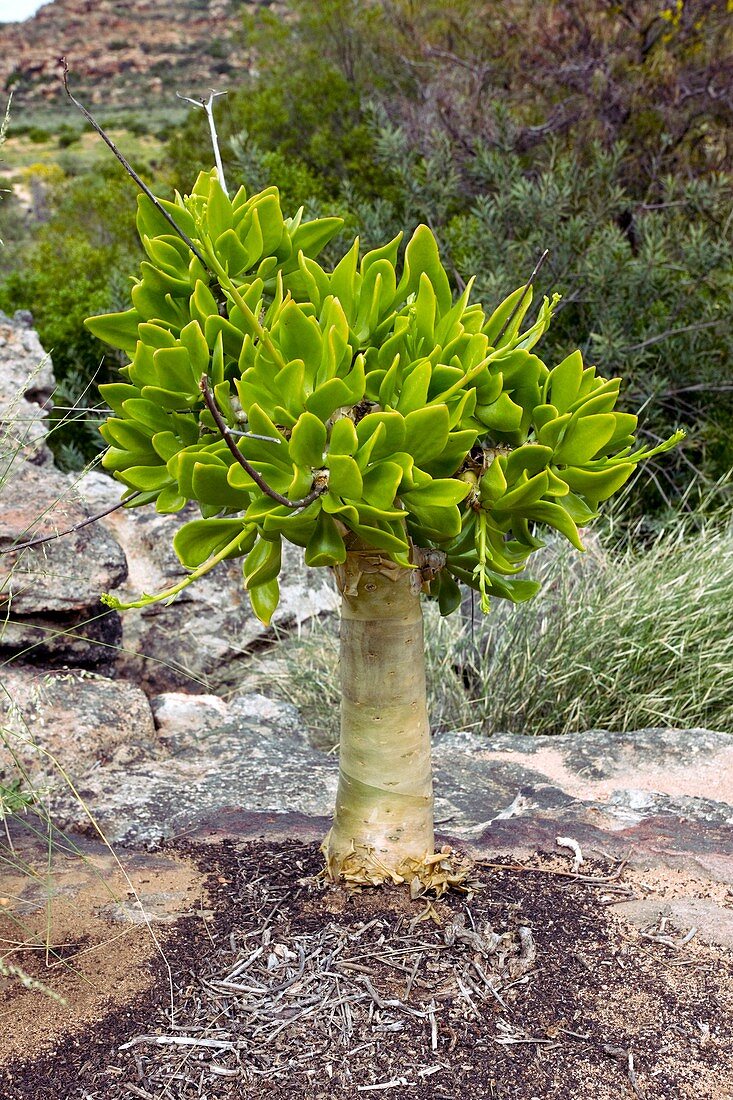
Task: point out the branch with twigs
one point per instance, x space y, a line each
207 105
128 167
228 437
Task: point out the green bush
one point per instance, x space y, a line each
67 137
38 135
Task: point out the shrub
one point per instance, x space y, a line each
614 641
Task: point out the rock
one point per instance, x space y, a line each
50 593
604 779
184 720
219 755
26 386
73 721
203 639
607 790
24 366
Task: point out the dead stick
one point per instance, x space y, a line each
69 530
523 295
128 167
247 466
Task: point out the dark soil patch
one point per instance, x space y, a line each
293 988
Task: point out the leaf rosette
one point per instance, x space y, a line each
373 407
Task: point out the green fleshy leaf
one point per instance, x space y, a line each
210 486
264 599
422 255
344 440
308 441
117 329
147 478
199 540
531 458
325 546
115 393
381 483
263 562
147 413
299 336
441 493
503 416
345 478
564 382
393 438
514 307
524 493
449 594
597 485
584 438
426 432
554 515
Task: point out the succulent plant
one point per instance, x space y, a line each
403 437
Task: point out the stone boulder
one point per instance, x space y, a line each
210 753
202 641
185 722
26 386
49 594
72 721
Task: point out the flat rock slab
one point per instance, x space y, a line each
664 795
68 721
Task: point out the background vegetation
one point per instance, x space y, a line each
622 639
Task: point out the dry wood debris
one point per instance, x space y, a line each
284 997
288 988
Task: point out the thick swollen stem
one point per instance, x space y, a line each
383 824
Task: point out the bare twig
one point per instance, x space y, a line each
180 1041
395 1083
255 435
207 105
674 332
128 167
69 530
247 466
523 295
625 1058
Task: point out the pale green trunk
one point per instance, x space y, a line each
383 824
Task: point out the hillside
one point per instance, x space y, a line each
123 54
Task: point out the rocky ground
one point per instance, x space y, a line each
134 728
123 53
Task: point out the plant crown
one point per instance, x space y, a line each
401 414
